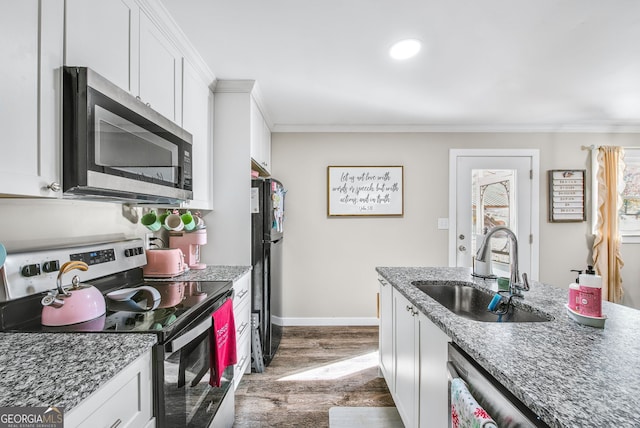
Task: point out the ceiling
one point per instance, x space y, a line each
484 64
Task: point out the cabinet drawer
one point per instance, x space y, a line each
242 291
244 360
124 401
242 318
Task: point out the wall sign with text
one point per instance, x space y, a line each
566 195
365 190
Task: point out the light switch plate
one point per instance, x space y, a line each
443 223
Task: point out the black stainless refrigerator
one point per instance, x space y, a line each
267 234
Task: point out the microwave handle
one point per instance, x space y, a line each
188 337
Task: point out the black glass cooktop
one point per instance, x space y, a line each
180 303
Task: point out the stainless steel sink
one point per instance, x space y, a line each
471 303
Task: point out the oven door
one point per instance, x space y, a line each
189 400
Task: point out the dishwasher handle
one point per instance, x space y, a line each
451 369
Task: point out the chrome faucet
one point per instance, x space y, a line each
515 286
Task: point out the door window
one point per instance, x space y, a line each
493 197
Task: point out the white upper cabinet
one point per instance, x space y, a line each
103 35
197 119
120 41
160 71
30 106
260 138
136 45
133 43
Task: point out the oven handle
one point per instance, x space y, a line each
189 336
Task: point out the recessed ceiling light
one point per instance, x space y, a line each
405 49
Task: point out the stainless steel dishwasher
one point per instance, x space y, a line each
503 406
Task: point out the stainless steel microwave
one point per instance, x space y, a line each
115 147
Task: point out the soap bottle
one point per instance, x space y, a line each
574 292
590 294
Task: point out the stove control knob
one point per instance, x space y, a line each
51 266
31 270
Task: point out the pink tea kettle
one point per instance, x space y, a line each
75 304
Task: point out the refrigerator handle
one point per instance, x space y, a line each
269 241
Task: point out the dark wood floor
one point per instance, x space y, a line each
263 400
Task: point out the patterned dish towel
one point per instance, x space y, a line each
465 410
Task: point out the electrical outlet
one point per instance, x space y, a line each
147 240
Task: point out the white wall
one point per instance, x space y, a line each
33 222
329 263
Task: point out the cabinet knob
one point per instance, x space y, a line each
54 187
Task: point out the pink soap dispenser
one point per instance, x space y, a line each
574 293
590 294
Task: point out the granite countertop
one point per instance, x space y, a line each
62 369
214 273
569 374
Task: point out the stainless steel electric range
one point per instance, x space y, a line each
181 318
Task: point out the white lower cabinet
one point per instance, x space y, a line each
125 401
433 393
406 359
386 332
413 360
242 318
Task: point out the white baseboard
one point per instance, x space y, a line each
293 321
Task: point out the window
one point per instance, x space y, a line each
629 214
493 204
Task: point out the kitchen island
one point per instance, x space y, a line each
569 374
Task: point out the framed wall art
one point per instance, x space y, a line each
567 195
365 190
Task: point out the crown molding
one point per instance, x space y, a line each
464 128
244 86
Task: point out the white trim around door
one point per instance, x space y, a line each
534 155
